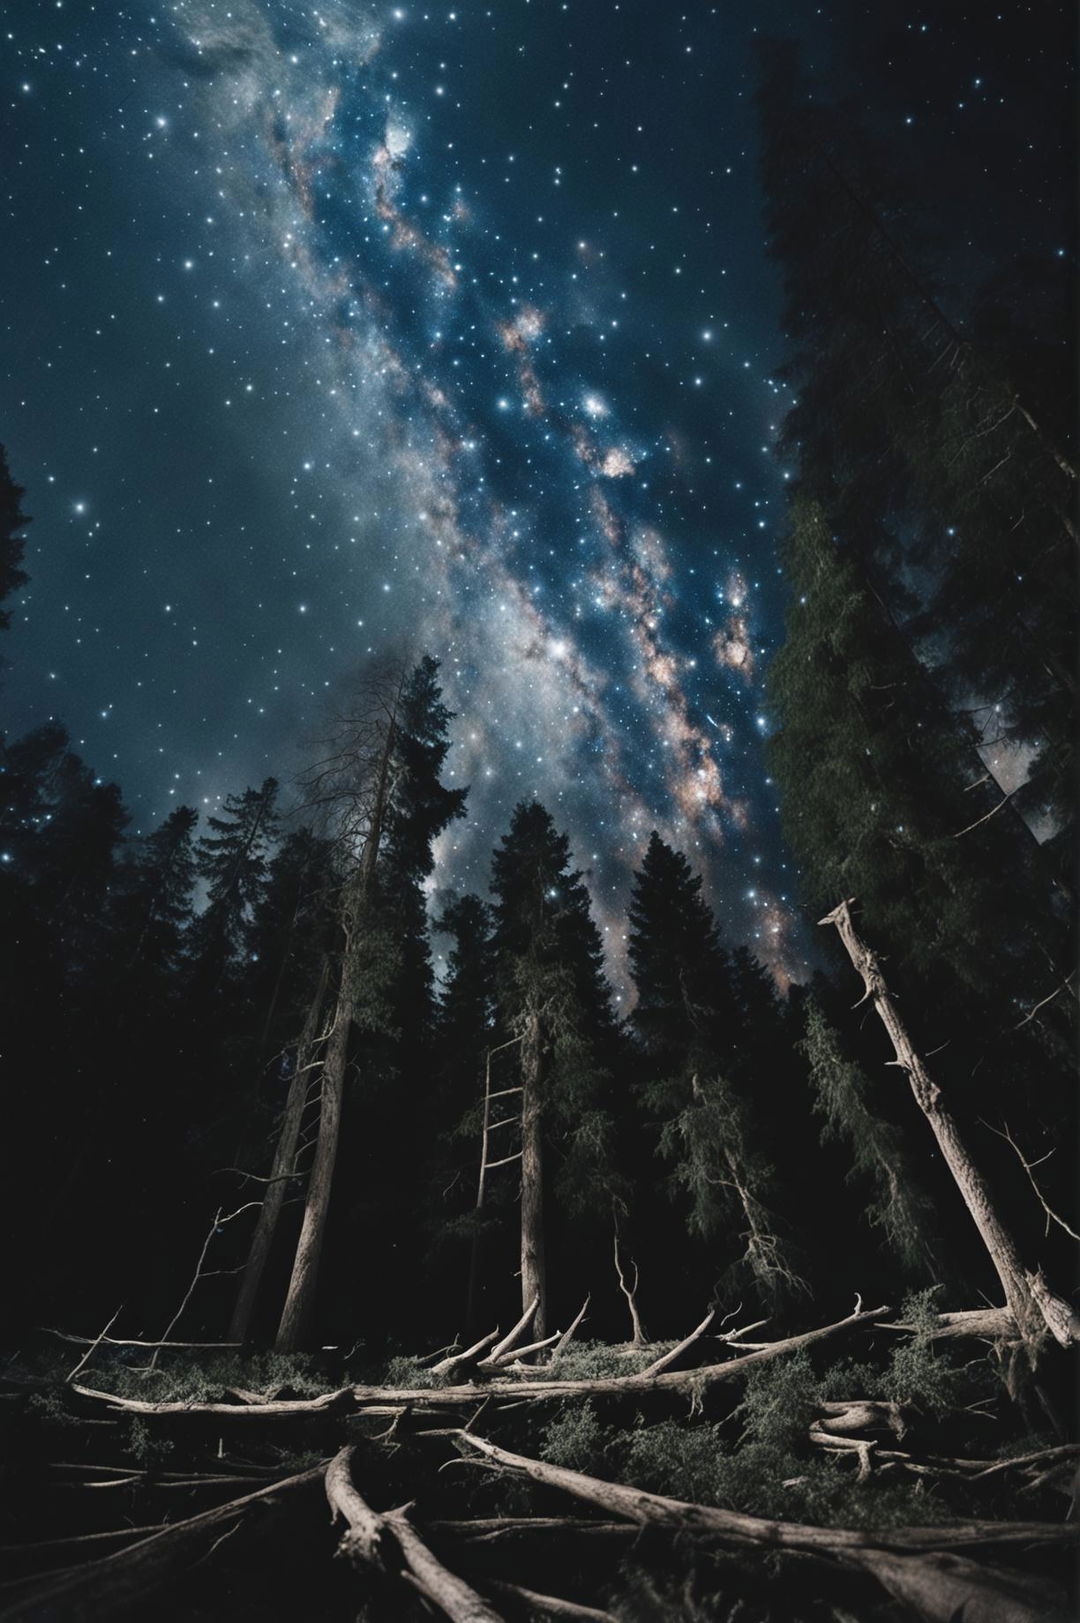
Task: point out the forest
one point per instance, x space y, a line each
750 1303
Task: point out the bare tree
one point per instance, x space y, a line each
1034 1308
349 789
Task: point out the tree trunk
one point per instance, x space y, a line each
533 1266
320 1183
1033 1307
355 896
283 1164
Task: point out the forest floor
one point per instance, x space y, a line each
875 1468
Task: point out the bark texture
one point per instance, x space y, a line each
533 1264
283 1165
1033 1307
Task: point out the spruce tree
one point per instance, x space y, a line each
152 907
698 1045
553 999
232 860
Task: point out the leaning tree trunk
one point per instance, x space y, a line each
354 903
320 1182
1034 1308
283 1167
533 1265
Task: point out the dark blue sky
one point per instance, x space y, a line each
332 329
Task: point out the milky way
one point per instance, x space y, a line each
429 343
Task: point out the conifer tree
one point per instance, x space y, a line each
553 999
845 1100
876 781
421 807
698 1043
152 907
232 860
944 464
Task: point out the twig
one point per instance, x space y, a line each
681 1346
92 1349
1051 1215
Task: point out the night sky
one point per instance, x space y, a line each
341 329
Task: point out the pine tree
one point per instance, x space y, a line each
877 780
421 808
553 999
152 907
232 861
942 462
845 1100
288 933
698 1044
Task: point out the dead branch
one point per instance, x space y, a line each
980 1323
390 1545
568 1335
1051 1215
549 1605
383 1399
491 1529
98 1591
92 1349
114 1341
915 1564
220 1219
457 1365
513 1359
1034 1308
681 1346
520 1327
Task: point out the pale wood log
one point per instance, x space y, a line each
384 1399
915 1565
1034 1308
391 1545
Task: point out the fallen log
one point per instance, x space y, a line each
100 1589
385 1399
390 1545
916 1565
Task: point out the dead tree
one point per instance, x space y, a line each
1033 1307
283 1168
351 787
533 1259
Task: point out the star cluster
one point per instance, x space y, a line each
346 328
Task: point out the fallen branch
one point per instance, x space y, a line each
94 1345
980 1323
915 1565
549 1605
114 1341
1035 1309
568 1335
680 1347
385 1399
391 1545
100 1589
519 1329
